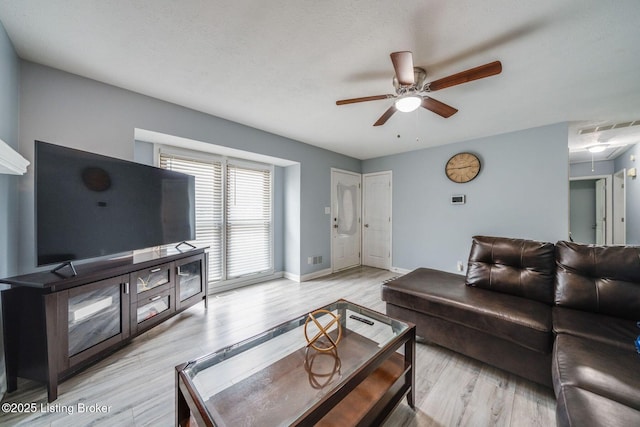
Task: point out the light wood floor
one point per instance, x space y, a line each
137 382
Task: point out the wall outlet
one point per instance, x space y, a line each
460 266
310 260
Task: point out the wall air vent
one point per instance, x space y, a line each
608 127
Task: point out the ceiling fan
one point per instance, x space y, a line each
412 89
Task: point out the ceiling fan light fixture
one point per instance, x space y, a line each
598 148
409 82
408 103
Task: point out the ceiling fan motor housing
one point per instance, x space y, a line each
419 75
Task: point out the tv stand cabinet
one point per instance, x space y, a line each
55 326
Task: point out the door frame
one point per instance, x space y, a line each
601 214
620 177
333 207
390 242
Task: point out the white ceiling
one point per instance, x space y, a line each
280 65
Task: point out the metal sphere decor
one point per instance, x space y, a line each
323 330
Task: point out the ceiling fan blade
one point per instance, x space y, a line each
440 108
470 75
403 65
383 118
363 99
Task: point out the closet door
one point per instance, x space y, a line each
376 219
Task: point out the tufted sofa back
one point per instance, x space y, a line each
601 279
524 268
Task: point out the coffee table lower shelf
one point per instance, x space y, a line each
374 398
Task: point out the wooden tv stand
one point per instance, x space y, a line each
56 325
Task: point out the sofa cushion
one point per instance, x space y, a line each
440 294
578 407
608 371
600 279
524 268
597 327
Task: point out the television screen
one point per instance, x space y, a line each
88 205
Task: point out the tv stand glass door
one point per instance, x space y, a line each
93 316
97 317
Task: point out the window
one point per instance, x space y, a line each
209 228
233 212
248 224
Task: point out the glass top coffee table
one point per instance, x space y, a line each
276 379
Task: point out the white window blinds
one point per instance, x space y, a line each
234 220
209 220
248 220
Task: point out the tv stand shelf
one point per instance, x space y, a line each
56 325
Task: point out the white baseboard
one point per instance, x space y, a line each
316 274
239 283
298 278
400 270
291 276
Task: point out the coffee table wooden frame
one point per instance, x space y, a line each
345 404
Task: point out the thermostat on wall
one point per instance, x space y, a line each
458 199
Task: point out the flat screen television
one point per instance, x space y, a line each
88 205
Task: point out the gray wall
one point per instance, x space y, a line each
278 218
292 219
524 173
9 122
632 215
522 191
69 110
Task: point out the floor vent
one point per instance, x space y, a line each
608 127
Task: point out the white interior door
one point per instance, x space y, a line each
601 210
376 219
345 219
619 208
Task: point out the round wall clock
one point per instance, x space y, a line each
462 167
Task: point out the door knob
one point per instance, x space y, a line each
335 225
366 226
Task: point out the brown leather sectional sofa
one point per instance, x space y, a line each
561 315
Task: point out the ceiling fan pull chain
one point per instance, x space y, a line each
415 114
